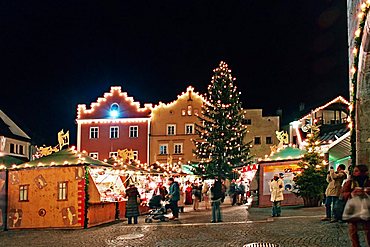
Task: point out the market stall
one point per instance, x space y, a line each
60 191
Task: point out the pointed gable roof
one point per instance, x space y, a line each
9 129
127 106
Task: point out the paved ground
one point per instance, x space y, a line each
298 227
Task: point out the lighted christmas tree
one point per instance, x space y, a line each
220 148
311 183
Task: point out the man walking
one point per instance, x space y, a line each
335 180
216 197
174 195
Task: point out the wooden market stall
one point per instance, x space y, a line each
61 190
285 163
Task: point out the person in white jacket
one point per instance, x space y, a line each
276 189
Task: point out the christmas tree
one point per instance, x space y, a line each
220 148
311 183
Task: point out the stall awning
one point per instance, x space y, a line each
64 158
340 148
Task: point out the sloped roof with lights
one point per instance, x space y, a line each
286 153
66 157
188 95
128 108
8 161
333 103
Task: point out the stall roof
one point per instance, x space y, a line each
287 153
340 148
64 157
8 161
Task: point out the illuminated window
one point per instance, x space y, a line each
62 191
189 129
94 155
183 112
134 131
94 132
178 148
163 149
171 129
196 112
114 110
23 192
190 110
111 154
257 140
268 140
114 132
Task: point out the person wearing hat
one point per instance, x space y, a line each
132 205
276 189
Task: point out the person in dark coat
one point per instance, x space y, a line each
216 197
132 205
174 197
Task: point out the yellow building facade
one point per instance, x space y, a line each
261 132
173 129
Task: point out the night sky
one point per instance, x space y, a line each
59 54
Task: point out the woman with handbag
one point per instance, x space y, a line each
356 192
132 204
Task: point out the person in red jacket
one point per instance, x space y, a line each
357 185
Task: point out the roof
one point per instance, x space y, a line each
341 148
333 135
7 161
9 129
286 153
65 157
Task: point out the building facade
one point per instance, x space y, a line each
261 132
115 122
173 129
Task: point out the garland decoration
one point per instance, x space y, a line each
354 70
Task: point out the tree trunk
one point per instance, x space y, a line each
312 201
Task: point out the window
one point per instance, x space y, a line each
196 112
257 140
111 154
163 149
134 131
178 148
189 110
189 129
248 121
94 155
268 140
23 192
94 132
113 133
136 155
16 148
62 191
183 112
171 129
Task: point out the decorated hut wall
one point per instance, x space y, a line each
285 163
58 191
46 197
286 169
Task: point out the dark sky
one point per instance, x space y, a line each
55 55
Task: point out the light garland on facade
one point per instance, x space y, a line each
354 73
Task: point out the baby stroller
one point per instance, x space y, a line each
157 210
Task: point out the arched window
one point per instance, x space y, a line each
114 110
